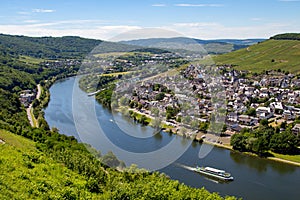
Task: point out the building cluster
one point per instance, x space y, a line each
26 97
274 97
136 61
57 64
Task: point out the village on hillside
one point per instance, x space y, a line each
186 99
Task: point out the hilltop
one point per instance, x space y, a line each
47 47
210 46
287 36
279 52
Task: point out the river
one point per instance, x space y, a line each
255 178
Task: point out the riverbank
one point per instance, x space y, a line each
221 142
210 139
288 159
277 157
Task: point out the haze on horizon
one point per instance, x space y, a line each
203 19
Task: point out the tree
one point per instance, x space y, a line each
284 142
264 122
203 126
186 119
238 142
140 106
156 122
144 120
155 111
260 146
195 124
93 185
251 112
171 112
124 101
110 160
283 125
194 87
160 96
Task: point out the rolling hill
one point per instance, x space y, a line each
210 46
47 47
272 54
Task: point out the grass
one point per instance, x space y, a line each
31 60
138 116
27 173
293 158
165 126
110 54
114 74
267 55
16 141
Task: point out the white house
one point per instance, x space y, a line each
264 113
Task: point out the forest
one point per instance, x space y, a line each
287 36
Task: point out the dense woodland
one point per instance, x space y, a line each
48 165
287 36
48 47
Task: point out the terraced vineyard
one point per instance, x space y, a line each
267 55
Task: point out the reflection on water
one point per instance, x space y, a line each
195 144
263 165
158 136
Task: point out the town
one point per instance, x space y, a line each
184 100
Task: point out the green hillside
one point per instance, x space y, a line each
29 174
268 55
47 47
68 171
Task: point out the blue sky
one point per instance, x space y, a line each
102 19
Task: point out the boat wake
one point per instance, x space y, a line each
193 169
186 167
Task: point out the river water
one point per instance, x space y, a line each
254 178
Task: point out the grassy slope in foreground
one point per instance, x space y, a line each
27 173
267 55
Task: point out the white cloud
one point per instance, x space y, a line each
30 21
39 10
23 13
204 30
198 5
70 23
100 29
159 5
195 24
255 19
48 29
